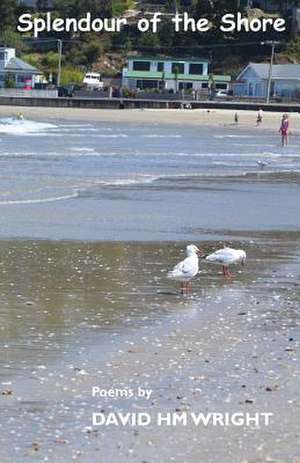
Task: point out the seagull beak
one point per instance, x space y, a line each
200 253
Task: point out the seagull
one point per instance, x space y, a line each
262 163
226 257
187 269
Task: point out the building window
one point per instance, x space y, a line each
204 85
160 67
185 85
24 78
178 68
142 84
141 65
3 57
221 86
196 69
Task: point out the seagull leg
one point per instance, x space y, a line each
182 287
228 273
190 287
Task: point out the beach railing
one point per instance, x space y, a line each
20 92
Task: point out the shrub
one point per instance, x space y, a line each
10 81
71 75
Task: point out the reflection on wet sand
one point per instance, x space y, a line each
75 315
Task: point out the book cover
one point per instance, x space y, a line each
150 233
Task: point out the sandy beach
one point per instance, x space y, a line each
115 322
213 117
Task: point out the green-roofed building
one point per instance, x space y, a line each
171 74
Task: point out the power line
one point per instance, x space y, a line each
236 44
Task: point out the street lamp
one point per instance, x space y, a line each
273 45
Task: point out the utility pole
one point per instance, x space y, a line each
59 44
175 7
59 48
273 45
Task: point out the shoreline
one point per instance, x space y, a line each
195 117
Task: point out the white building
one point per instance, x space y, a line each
253 81
172 74
15 72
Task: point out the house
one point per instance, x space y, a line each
296 20
253 80
37 4
171 74
14 72
272 5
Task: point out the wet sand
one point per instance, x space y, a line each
78 315
213 117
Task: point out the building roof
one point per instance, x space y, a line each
170 76
168 58
34 3
279 71
17 64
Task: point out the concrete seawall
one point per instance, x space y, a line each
128 103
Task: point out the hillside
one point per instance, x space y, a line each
107 51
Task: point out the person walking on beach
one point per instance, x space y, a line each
259 117
284 129
236 118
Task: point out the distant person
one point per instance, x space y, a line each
284 129
259 117
19 116
236 118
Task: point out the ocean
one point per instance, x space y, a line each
104 181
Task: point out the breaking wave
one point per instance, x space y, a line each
15 126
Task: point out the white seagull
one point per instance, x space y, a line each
227 256
187 269
262 163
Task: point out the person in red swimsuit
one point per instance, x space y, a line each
284 129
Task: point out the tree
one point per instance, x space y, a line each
10 38
71 75
7 14
149 40
203 8
78 8
50 61
10 81
92 50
